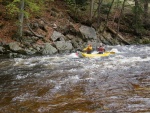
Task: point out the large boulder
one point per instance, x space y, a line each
48 49
63 45
57 36
14 46
88 32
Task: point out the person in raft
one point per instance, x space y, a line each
88 49
101 49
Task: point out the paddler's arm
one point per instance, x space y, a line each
85 49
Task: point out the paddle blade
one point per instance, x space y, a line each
111 52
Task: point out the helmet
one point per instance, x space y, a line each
90 45
101 44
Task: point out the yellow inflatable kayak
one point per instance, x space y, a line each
105 54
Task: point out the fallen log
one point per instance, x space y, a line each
119 36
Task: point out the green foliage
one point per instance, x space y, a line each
31 7
138 40
118 3
76 7
12 9
105 7
138 9
70 2
77 2
146 41
81 2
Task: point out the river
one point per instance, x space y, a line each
119 83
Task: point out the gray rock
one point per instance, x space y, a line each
62 45
88 32
30 52
2 49
14 46
48 49
57 36
75 43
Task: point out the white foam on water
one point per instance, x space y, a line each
30 62
72 79
144 103
22 97
133 59
18 61
112 62
72 70
72 55
33 61
69 80
18 77
115 50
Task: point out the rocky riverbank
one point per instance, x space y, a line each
57 32
75 39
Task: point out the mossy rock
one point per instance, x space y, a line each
145 41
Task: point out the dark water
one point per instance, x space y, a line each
119 83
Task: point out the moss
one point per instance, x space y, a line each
145 41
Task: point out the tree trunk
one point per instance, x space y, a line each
99 10
145 11
108 15
136 17
91 9
123 5
21 18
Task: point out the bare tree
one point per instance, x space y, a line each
108 15
123 5
145 11
136 16
21 18
91 9
99 10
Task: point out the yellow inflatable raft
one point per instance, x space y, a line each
105 54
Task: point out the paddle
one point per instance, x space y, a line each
80 50
111 52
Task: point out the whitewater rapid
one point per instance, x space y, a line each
69 84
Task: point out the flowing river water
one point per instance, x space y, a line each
119 83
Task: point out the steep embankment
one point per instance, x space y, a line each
54 31
7 26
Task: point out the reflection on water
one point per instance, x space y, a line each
115 84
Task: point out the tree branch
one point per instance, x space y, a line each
40 36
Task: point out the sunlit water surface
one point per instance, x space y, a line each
119 83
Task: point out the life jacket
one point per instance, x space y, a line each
101 49
89 48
